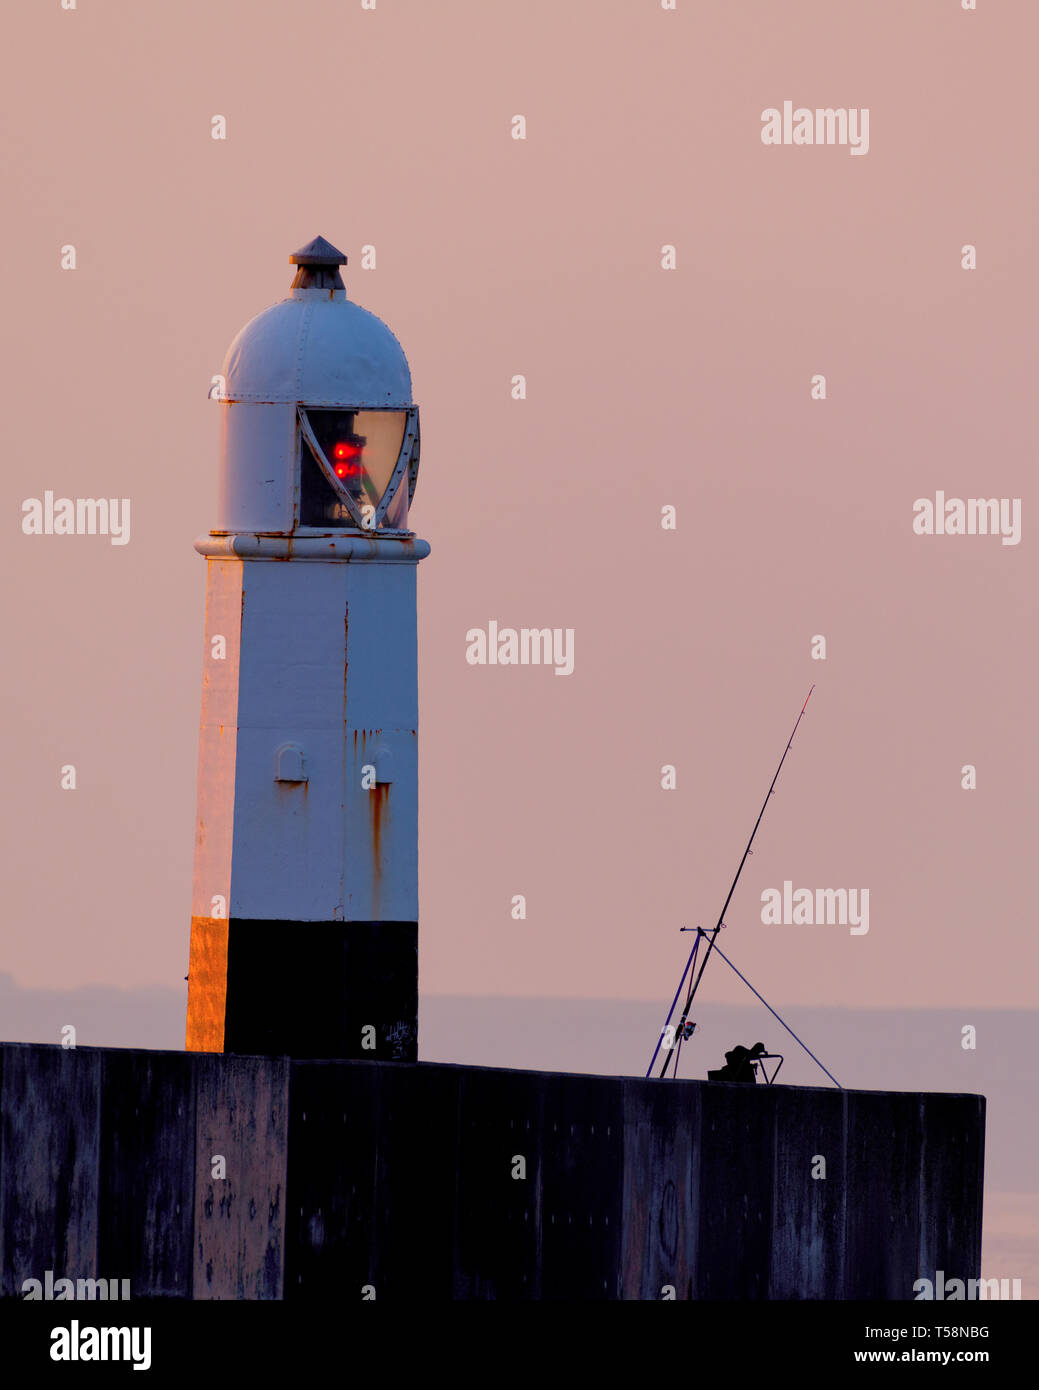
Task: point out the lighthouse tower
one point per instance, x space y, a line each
304 928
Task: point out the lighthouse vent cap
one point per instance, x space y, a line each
317 348
318 263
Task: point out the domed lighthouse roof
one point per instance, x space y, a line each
317 348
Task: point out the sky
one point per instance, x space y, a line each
647 388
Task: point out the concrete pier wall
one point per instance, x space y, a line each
419 1180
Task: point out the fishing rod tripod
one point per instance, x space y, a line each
676 1036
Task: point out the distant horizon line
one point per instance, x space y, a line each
8 980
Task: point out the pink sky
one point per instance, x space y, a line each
645 387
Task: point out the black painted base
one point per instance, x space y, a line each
317 989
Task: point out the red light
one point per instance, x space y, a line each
346 456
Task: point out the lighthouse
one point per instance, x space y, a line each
304 927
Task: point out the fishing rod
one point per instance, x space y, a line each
678 991
680 1030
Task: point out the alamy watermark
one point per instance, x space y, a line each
77 516
805 125
525 646
80 1343
968 516
49 1288
845 907
953 1290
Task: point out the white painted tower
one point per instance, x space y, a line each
304 928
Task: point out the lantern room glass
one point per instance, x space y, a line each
361 447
